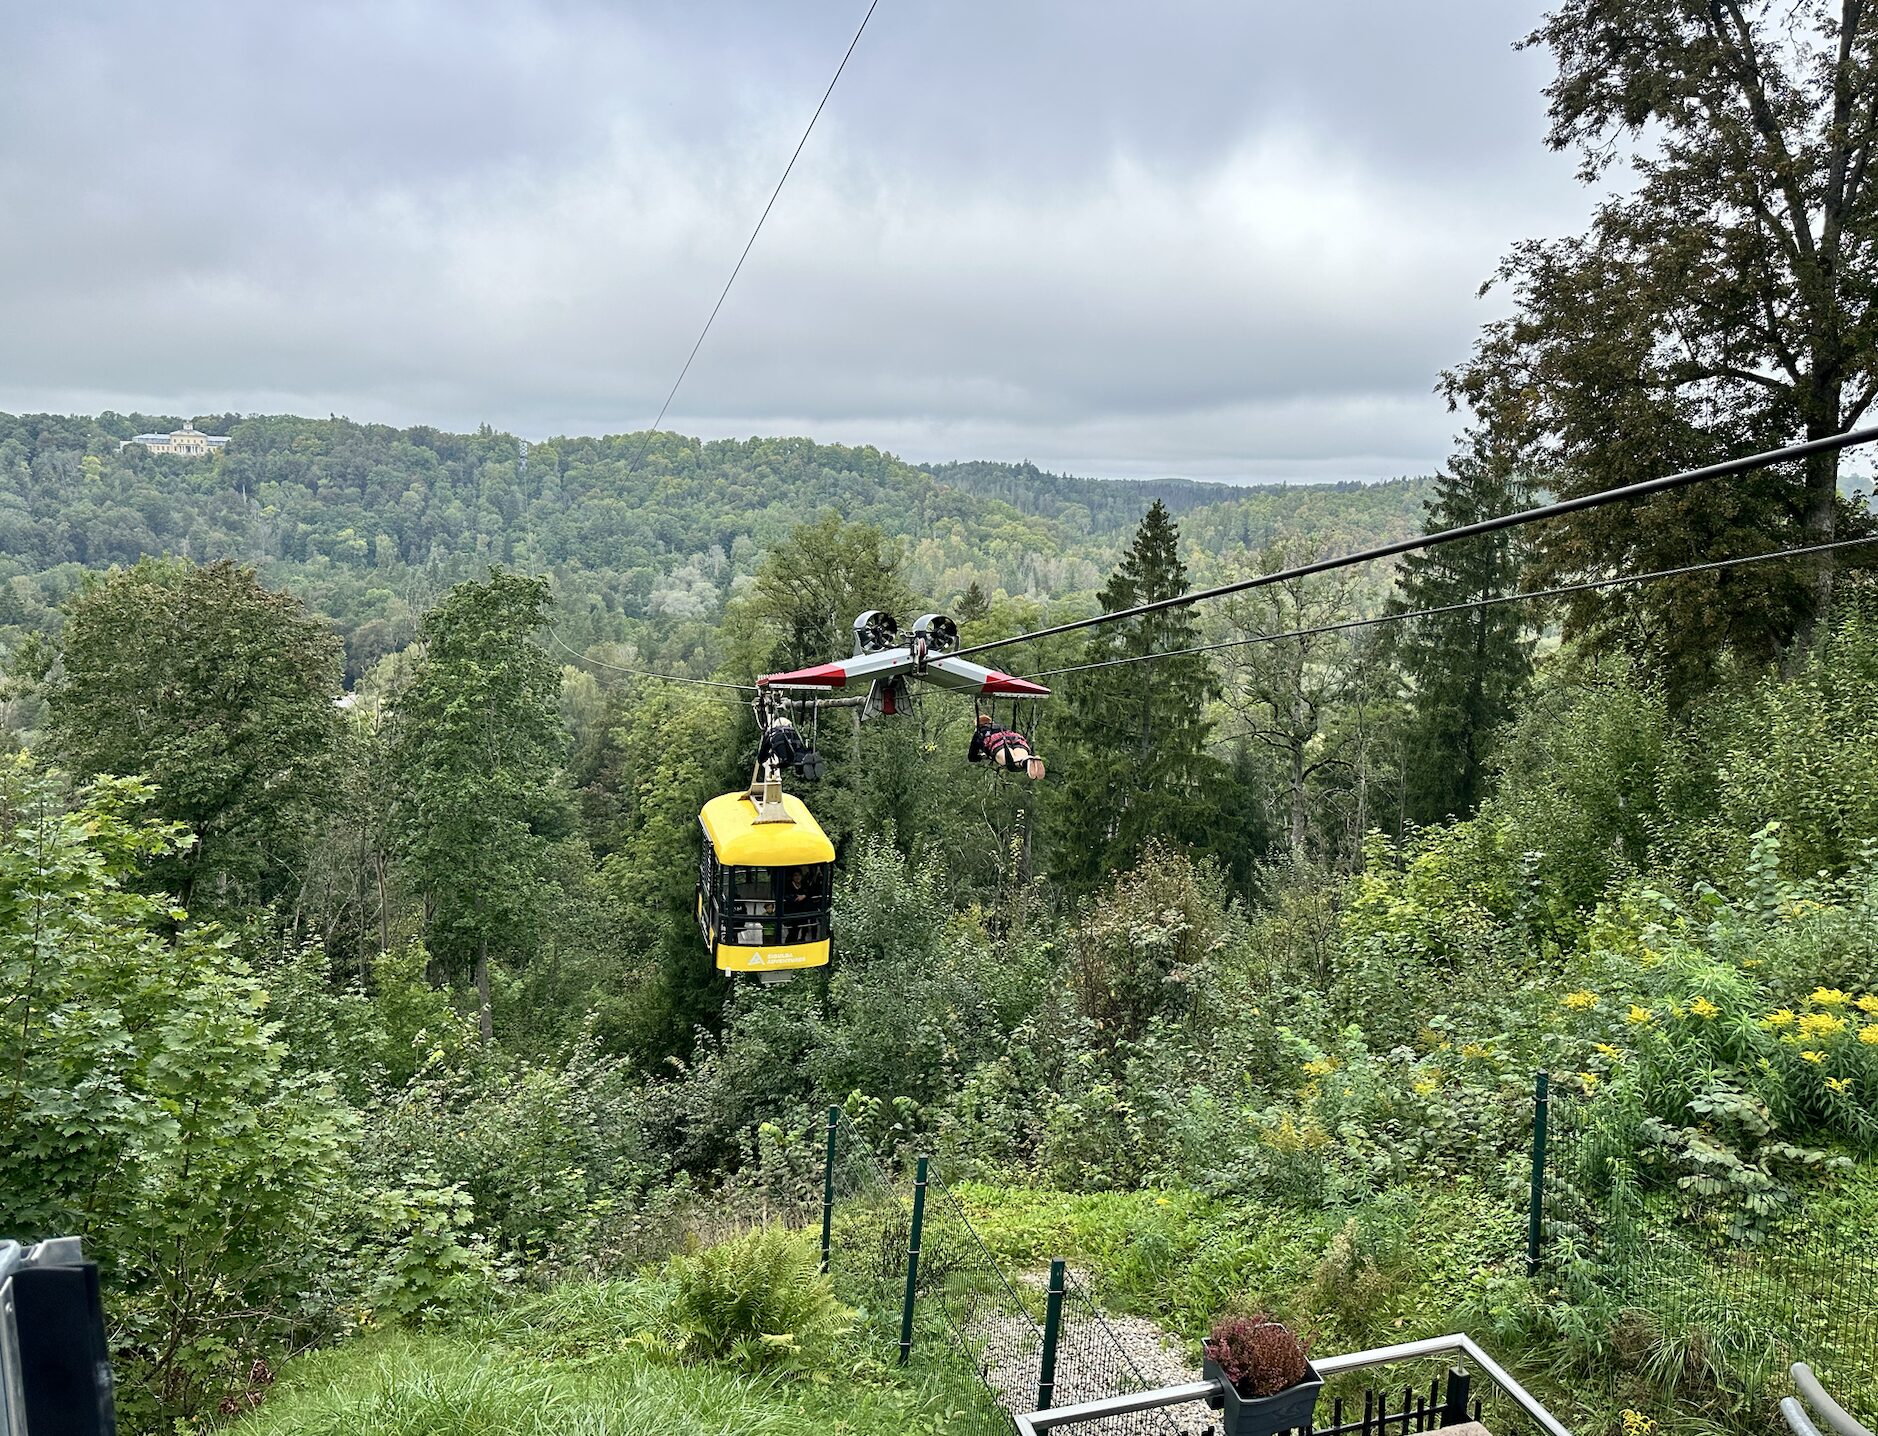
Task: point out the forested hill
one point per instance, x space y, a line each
1227 515
367 522
1104 505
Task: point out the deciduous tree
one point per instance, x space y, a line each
477 749
1722 303
221 692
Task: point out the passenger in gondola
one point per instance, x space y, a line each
1005 748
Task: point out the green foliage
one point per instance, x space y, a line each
811 586
416 1257
220 692
1298 1082
1731 126
756 1302
1805 754
557 1369
1593 773
1141 953
1141 767
551 1158
147 1105
1464 670
476 749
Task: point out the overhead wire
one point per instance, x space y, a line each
1581 502
750 243
1559 591
648 673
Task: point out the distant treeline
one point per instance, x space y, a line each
371 523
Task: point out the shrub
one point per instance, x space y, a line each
145 1102
757 1301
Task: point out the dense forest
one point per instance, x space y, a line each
640 533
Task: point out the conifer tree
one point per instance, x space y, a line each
1136 763
1464 669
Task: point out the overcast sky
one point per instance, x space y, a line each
1224 240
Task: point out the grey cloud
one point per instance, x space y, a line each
1223 239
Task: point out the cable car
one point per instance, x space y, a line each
765 883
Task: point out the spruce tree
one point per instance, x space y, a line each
1137 765
1463 670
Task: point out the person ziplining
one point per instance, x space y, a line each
1006 748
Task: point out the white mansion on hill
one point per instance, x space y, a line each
188 441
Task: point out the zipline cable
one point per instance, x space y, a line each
1538 593
1561 507
648 673
751 242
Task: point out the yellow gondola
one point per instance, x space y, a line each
765 883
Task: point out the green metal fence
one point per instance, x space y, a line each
900 1247
1723 1294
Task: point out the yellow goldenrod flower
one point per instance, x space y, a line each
1821 1024
1782 1018
1703 1008
1590 1081
1838 1084
1604 1049
1425 1086
1869 1003
1812 1056
1828 997
1638 1015
1637 1424
1581 1001
1320 1067
1474 1050
1869 1034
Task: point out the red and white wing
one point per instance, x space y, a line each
960 675
956 675
855 672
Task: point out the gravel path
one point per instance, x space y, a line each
1089 1366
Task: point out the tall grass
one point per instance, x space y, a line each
407 1385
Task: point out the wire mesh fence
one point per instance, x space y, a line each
881 1221
1093 1361
992 1316
866 1227
1716 1281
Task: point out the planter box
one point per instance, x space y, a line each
1287 1410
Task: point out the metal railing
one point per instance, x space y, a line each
1834 1416
1033 1423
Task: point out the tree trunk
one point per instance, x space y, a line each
485 1015
1820 514
1300 812
384 904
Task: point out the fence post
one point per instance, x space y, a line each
912 1262
1536 1203
1052 1329
1454 1407
828 1186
